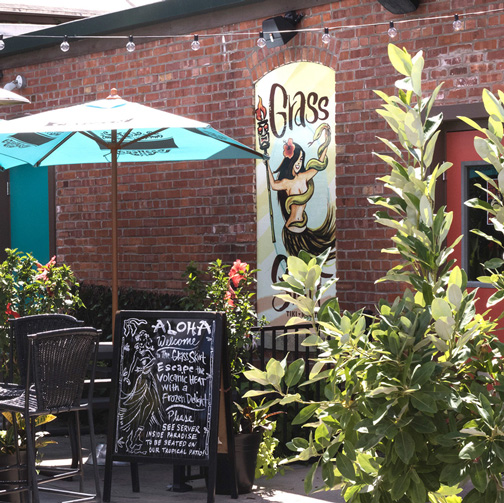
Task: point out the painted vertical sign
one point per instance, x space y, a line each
296 198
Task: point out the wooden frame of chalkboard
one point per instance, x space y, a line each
168 368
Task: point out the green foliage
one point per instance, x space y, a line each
257 418
27 288
490 149
195 287
97 300
412 405
7 439
227 289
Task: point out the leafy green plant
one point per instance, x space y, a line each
28 287
7 439
195 287
258 418
412 405
490 149
227 289
97 308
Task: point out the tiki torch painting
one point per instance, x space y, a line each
294 113
263 134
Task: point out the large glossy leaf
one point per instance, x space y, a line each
455 295
400 60
416 73
400 485
294 372
297 267
308 481
305 413
404 446
345 466
473 450
257 376
492 105
478 476
421 373
414 129
417 492
274 372
440 309
424 402
452 474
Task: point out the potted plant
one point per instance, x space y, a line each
413 405
229 289
8 449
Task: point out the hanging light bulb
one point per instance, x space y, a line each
65 46
2 43
392 32
261 41
326 38
457 23
195 44
130 46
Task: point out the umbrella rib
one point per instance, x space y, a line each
95 137
122 143
223 140
44 157
146 135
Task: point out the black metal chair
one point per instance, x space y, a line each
20 328
60 363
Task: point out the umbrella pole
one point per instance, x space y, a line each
113 151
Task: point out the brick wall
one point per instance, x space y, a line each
170 214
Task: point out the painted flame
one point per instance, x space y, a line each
261 111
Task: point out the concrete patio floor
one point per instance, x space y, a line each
154 479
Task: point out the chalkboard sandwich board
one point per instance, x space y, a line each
168 367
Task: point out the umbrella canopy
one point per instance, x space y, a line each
10 98
109 131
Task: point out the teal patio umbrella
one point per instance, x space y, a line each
112 130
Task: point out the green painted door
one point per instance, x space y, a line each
29 211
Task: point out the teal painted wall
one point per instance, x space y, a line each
29 196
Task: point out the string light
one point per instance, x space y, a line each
457 23
2 43
392 32
130 46
65 46
195 44
261 41
326 38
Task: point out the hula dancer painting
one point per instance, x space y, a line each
295 187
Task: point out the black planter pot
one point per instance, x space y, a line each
15 474
246 449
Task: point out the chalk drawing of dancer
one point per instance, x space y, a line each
140 403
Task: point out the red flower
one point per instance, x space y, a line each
228 297
238 272
10 312
289 149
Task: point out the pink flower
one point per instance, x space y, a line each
289 149
228 297
10 312
44 269
238 272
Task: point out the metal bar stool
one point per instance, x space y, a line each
59 361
